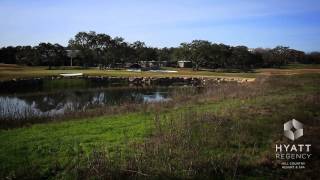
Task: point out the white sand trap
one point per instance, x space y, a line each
71 74
163 71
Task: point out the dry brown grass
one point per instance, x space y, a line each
228 143
228 131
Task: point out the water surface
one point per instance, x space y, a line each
56 97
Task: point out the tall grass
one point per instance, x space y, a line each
227 131
203 144
13 114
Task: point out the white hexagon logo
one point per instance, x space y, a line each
293 129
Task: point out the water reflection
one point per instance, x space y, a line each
49 99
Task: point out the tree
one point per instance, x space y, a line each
219 56
197 52
296 56
101 49
138 47
88 44
313 58
51 54
240 58
275 57
60 55
8 55
27 55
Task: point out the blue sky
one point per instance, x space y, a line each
260 23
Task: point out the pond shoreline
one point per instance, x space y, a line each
195 81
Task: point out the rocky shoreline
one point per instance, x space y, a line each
195 81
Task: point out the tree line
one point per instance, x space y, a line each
97 49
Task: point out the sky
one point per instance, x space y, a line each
165 23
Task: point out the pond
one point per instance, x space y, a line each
56 97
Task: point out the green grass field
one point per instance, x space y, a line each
8 72
227 132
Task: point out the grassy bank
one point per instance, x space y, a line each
8 72
229 131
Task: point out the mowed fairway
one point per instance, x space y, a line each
8 72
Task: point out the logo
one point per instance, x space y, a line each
292 155
293 129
